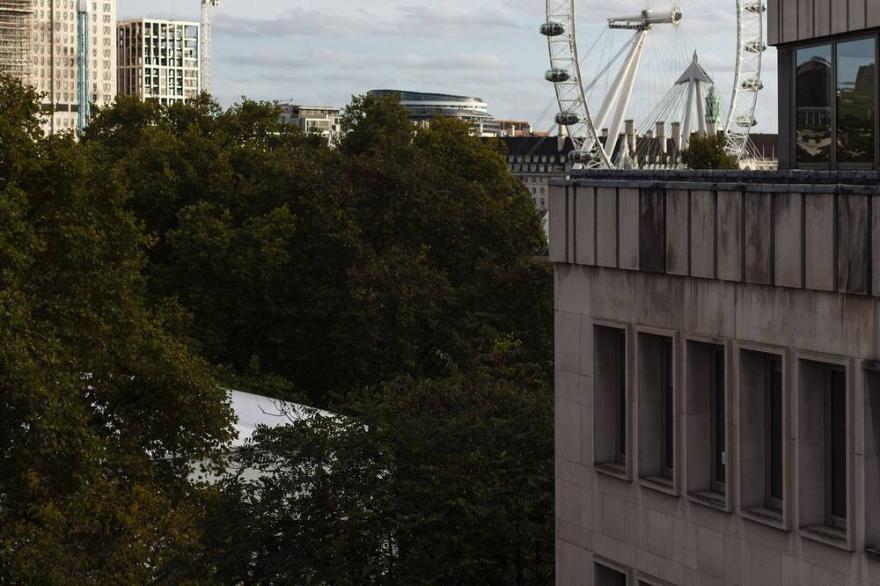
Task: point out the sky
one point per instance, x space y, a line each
321 52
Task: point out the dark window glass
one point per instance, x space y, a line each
837 446
718 439
813 105
855 101
621 396
668 411
607 577
774 433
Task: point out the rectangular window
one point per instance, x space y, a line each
823 451
610 395
836 448
761 437
605 576
872 460
656 409
718 429
774 446
813 105
706 421
856 74
668 412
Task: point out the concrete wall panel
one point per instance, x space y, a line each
788 239
652 230
839 17
805 19
558 224
677 232
789 20
606 227
703 234
758 238
629 228
773 36
822 16
857 16
730 259
852 244
585 216
819 242
872 16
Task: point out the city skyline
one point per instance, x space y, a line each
324 53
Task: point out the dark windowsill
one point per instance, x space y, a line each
873 552
660 484
828 535
613 469
711 499
765 516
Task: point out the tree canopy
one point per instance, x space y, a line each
177 251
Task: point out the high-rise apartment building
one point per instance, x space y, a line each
159 59
323 120
40 42
54 52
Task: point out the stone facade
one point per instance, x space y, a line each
734 272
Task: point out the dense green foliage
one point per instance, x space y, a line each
101 410
708 152
447 483
176 250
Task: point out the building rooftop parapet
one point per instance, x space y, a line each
817 232
804 181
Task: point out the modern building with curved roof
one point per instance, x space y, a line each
423 107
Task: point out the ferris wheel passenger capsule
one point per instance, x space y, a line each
557 75
552 29
567 119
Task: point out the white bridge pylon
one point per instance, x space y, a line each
697 80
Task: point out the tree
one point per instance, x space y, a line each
708 152
444 481
102 411
329 269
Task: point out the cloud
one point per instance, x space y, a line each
403 21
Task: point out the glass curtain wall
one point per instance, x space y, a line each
835 104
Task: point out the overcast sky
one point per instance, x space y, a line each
321 52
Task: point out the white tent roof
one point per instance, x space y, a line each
253 410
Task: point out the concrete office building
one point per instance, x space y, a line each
323 120
718 346
159 60
41 42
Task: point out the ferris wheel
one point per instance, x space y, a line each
640 92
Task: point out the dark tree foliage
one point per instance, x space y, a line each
102 411
708 152
330 269
177 246
446 481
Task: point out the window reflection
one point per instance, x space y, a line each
855 101
813 105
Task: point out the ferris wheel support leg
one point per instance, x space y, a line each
626 89
701 109
614 92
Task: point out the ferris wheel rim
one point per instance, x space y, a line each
588 147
